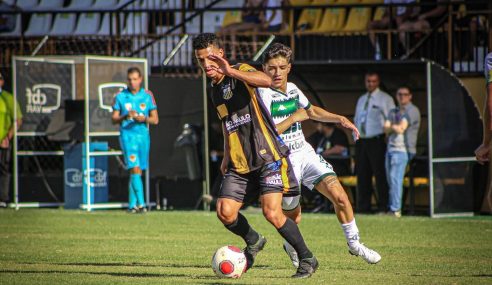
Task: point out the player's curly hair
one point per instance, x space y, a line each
276 50
205 40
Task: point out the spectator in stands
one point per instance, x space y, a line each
401 126
483 152
6 135
251 19
334 147
370 113
273 20
430 13
7 21
402 14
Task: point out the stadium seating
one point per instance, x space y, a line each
64 24
9 2
333 20
39 25
105 28
88 24
27 4
136 24
231 17
80 5
105 4
50 4
300 2
357 20
17 29
310 19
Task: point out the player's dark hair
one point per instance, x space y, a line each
372 73
205 40
134 69
276 50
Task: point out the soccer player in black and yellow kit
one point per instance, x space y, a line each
255 158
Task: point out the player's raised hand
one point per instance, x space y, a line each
482 153
223 65
348 124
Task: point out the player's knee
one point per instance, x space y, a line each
294 214
274 216
225 213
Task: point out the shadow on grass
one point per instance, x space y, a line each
118 274
133 264
453 275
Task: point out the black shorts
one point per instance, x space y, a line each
275 177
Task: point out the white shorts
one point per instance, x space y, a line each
309 168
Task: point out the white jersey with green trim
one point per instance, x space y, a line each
283 105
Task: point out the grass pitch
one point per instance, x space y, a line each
112 247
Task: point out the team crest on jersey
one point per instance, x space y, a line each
142 106
133 158
227 92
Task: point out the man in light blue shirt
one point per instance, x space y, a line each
402 126
134 109
370 114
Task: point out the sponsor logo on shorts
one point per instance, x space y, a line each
275 179
236 121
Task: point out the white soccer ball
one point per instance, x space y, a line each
229 262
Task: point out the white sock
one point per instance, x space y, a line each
351 233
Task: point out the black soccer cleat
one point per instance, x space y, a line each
252 250
306 268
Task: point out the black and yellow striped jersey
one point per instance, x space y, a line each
248 128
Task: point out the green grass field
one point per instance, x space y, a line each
112 247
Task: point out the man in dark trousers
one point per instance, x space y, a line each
6 135
370 113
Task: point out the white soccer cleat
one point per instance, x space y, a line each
369 255
291 252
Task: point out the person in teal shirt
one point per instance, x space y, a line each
6 135
134 109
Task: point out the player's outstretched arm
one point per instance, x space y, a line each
250 77
318 114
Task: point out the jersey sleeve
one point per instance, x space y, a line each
117 103
266 98
303 100
152 104
244 67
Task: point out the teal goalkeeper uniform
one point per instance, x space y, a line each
134 136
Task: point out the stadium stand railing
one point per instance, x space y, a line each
317 30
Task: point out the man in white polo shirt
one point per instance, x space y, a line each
370 114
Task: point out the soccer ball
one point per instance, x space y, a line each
229 262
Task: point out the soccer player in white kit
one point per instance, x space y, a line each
289 107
